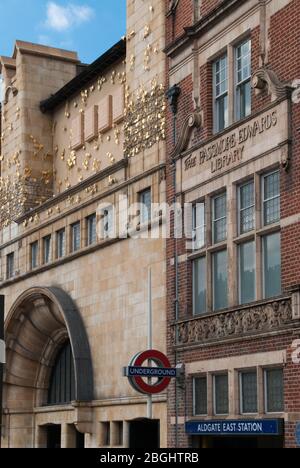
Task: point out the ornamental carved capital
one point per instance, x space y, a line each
265 79
192 121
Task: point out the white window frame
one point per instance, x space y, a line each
241 373
216 97
214 393
194 395
238 84
263 200
240 209
265 370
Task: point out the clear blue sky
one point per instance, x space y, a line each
88 26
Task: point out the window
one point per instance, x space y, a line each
199 226
34 250
118 434
199 286
220 287
91 229
221 402
200 396
105 434
247 272
61 243
274 391
220 83
145 201
219 218
248 392
246 208
272 265
62 382
108 222
271 198
10 265
243 79
47 250
75 237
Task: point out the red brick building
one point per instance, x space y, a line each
234 155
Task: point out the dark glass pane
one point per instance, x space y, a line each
200 396
62 381
249 392
221 394
275 394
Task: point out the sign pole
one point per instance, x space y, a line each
2 358
149 398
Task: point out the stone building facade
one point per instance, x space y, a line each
76 140
233 284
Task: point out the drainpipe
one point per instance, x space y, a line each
173 95
2 359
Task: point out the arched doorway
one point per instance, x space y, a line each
45 338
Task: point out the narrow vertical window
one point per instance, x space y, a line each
220 82
145 202
47 250
247 272
274 394
61 243
219 218
248 392
272 265
246 208
91 229
75 237
34 249
220 280
199 286
10 265
199 226
271 198
200 396
221 396
243 79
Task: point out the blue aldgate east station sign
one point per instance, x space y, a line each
262 427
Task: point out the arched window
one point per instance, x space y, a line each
62 381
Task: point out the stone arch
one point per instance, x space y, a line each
38 324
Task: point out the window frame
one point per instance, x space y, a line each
241 373
218 374
194 394
215 220
141 194
73 226
263 247
265 379
217 98
239 84
10 268
214 310
240 209
196 227
239 271
197 259
60 231
45 239
90 242
35 265
264 201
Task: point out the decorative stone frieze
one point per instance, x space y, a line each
258 319
265 79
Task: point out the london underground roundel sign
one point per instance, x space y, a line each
137 372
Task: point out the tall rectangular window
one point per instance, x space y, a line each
199 286
199 226
200 396
61 243
220 84
271 198
247 272
220 280
219 218
47 250
221 397
34 252
246 208
10 265
145 201
272 265
248 392
91 229
75 237
243 79
274 394
108 222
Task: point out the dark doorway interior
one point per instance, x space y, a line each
79 440
144 433
54 437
